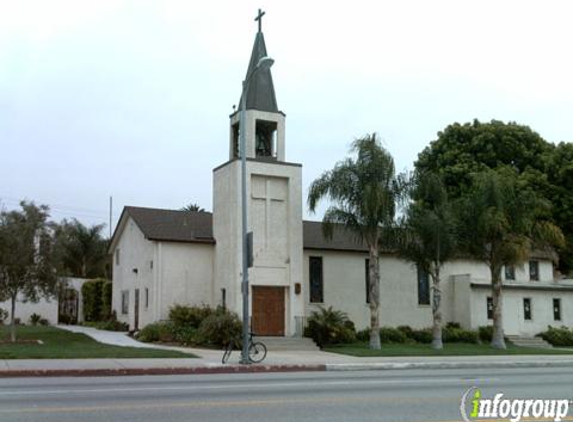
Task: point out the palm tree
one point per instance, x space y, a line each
428 238
83 250
193 207
364 192
499 224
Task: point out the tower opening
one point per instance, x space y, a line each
236 148
265 135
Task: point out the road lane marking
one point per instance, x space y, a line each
224 404
239 386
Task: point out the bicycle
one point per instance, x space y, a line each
257 350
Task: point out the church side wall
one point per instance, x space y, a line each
186 275
344 288
134 271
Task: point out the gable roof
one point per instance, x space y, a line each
168 225
197 227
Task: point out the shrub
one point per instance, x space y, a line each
92 292
190 316
219 328
558 336
407 330
44 322
424 336
106 293
35 319
453 334
485 333
158 331
112 325
187 336
453 325
363 335
392 335
3 315
329 326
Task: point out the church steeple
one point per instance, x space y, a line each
264 123
261 92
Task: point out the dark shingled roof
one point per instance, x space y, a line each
261 93
197 227
173 226
341 240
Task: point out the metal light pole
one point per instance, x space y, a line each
264 63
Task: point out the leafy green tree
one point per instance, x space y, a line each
82 250
27 258
193 207
461 150
365 193
429 238
500 224
559 190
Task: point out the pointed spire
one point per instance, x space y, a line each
261 92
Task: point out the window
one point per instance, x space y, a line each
557 309
423 287
489 308
146 298
527 309
534 270
224 298
151 264
510 272
315 278
117 256
367 278
125 302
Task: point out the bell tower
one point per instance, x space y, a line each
274 209
264 123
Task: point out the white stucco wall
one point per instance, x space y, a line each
514 321
185 275
46 308
135 253
277 259
345 289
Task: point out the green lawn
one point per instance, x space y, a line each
450 349
62 344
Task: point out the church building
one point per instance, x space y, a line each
166 257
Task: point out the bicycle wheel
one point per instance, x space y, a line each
257 352
227 352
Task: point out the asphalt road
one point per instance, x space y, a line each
373 396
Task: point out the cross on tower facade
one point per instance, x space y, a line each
259 18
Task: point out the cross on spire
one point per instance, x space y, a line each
259 18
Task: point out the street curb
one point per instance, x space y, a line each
443 365
231 369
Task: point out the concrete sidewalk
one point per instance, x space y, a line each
209 361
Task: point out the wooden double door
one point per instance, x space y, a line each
268 311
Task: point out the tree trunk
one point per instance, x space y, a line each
497 340
437 343
374 299
13 320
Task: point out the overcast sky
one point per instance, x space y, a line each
131 99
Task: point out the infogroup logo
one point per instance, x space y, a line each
474 407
